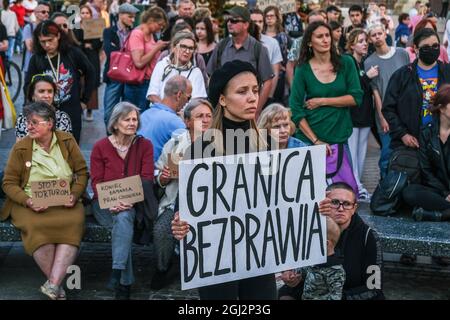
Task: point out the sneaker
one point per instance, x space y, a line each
364 196
420 214
50 290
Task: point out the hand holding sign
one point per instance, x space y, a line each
72 201
179 228
35 208
122 206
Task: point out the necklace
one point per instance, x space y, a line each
120 148
55 71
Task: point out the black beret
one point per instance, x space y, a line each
223 75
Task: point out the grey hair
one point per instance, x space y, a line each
120 110
174 85
194 103
42 110
274 112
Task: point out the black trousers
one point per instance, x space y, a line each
256 288
427 198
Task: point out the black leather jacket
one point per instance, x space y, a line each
403 101
434 164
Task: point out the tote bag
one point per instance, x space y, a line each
339 168
122 68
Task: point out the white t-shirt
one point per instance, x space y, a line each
157 83
30 5
273 48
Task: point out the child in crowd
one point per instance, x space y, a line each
325 281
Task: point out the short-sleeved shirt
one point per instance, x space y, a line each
245 53
387 65
273 49
429 81
27 35
137 41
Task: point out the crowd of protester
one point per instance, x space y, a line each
306 77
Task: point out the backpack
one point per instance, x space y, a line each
223 44
386 198
405 159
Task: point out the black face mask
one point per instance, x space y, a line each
429 55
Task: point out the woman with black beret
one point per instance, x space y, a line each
234 92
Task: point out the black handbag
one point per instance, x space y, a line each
405 159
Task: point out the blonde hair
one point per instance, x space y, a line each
353 38
272 113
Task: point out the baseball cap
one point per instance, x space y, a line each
240 12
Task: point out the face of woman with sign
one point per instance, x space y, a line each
85 14
240 98
343 206
127 125
63 23
184 50
38 127
43 91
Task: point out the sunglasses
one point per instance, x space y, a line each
43 11
434 46
64 25
234 21
41 76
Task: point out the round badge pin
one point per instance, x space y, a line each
28 164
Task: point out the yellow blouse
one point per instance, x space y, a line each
48 166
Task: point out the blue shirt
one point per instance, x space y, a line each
157 125
429 81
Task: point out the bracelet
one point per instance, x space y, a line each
314 142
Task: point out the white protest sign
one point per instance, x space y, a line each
285 6
251 214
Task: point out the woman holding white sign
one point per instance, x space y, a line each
51 235
234 92
121 155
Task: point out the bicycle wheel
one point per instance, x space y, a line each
13 79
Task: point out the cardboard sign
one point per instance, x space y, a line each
252 214
127 190
50 193
172 163
93 28
285 6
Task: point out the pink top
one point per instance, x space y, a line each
443 56
414 21
137 41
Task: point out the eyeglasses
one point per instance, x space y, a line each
34 123
188 97
234 21
187 48
346 205
43 11
434 46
